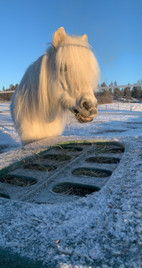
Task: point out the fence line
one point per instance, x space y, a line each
118 107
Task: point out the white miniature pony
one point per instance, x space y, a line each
64 78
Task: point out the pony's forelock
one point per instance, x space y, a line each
76 65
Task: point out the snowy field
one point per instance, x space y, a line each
116 119
102 230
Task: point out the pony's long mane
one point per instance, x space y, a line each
34 98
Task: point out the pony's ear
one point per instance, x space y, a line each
59 36
85 37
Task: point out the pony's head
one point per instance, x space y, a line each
77 73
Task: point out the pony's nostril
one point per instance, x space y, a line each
94 111
86 105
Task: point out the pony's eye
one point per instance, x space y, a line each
63 69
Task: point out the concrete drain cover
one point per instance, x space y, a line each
62 172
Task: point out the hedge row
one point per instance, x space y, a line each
6 96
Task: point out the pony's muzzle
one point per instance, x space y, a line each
89 108
86 112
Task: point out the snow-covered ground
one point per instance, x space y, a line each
102 230
112 119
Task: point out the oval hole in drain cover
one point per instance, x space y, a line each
57 157
91 172
75 189
103 159
40 167
109 148
18 180
3 147
115 150
69 148
4 196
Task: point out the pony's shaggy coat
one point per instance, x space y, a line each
64 78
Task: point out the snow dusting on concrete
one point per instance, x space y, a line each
103 229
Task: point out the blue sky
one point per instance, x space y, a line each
114 29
